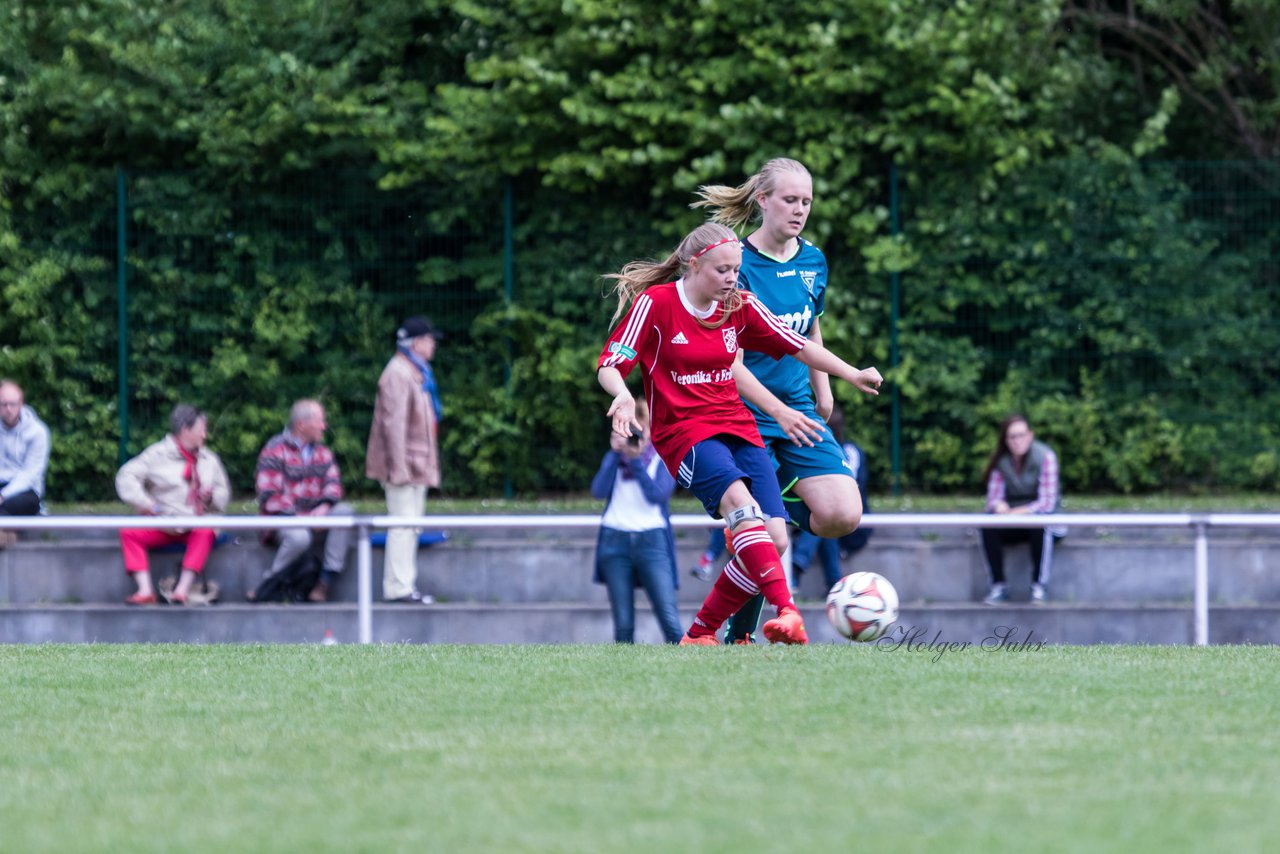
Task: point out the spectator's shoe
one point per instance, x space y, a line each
414 598
319 593
704 571
996 596
787 627
1038 594
705 640
139 599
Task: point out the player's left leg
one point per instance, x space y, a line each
831 502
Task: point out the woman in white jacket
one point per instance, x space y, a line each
177 476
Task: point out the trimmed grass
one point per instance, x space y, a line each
611 748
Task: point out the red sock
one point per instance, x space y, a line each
731 591
757 553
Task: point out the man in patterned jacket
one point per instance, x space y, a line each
297 476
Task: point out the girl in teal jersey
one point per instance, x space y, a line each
790 401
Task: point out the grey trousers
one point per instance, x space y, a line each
294 543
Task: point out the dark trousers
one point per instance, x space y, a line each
23 504
995 539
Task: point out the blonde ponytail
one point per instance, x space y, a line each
736 206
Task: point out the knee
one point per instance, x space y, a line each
296 538
835 522
780 540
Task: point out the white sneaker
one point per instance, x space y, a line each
1037 594
996 596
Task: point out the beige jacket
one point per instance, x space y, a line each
154 479
402 442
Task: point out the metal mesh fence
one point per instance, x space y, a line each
1130 310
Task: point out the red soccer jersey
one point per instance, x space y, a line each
687 368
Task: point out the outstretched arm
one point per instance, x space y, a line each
820 358
823 400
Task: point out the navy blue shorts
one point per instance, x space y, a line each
712 465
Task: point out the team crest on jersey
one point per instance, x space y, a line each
809 277
730 335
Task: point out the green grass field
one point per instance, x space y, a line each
608 748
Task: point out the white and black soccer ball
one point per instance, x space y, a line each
862 606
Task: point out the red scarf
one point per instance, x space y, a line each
192 476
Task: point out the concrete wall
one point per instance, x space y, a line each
534 587
1090 565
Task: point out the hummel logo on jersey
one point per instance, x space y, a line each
680 339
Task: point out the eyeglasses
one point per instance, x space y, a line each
1016 436
10 404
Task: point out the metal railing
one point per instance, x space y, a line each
1199 523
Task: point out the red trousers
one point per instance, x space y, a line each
134 542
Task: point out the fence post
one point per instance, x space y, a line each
122 312
364 583
508 288
1201 592
895 306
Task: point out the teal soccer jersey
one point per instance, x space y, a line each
794 290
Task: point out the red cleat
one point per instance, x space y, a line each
705 640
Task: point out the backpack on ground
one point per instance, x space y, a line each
291 584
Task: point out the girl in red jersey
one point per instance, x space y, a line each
683 330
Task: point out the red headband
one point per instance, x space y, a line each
704 250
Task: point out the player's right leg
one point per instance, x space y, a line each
718 472
766 543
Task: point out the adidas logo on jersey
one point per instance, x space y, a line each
679 339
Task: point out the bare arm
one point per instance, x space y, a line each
799 428
623 408
816 356
824 401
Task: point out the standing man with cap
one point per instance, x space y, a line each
403 455
24 456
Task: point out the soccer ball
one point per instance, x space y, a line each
862 605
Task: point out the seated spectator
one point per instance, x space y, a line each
177 476
636 547
1022 478
297 476
24 457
